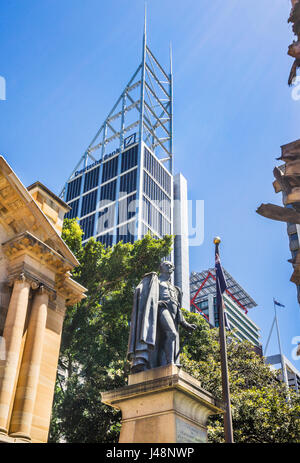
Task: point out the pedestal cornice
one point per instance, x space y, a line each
159 379
163 405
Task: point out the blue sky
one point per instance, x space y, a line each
65 63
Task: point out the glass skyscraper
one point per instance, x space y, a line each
123 186
123 197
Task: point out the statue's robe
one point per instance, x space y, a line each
142 345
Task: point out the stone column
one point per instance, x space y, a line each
25 397
13 333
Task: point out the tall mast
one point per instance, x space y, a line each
144 109
171 111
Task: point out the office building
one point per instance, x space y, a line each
237 304
292 375
123 186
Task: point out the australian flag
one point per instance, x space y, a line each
221 286
278 303
220 281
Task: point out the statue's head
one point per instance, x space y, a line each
166 267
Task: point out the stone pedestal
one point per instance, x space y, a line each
163 405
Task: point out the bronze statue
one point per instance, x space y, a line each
155 320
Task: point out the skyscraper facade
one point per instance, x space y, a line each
237 304
123 186
123 197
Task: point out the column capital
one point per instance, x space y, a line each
44 289
20 277
35 283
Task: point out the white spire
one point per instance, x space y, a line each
145 22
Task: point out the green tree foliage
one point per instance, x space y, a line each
95 334
262 411
94 345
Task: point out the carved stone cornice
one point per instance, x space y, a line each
35 283
28 244
71 291
21 276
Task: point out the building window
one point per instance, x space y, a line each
127 208
155 219
73 189
73 213
91 179
203 305
124 234
129 159
106 218
88 203
128 182
106 240
155 193
110 169
146 231
216 313
108 191
87 226
157 171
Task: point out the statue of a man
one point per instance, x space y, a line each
155 320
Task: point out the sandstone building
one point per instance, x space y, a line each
35 288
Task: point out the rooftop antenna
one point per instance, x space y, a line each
145 20
171 109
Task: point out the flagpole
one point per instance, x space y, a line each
224 366
280 348
270 334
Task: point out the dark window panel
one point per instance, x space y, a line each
89 203
157 171
87 226
124 234
106 240
127 208
108 191
73 213
155 193
106 218
110 169
129 159
74 188
128 182
91 179
155 219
